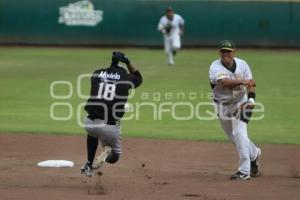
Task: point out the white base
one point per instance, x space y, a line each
56 163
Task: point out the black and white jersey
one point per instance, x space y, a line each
109 92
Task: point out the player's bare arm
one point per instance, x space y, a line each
251 96
136 76
228 83
131 68
251 89
123 58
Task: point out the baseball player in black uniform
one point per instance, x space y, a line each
105 108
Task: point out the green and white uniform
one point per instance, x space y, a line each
227 102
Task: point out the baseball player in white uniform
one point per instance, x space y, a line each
234 97
172 26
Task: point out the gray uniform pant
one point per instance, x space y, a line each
236 130
109 135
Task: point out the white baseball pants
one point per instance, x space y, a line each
236 130
172 44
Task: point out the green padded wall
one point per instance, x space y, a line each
134 22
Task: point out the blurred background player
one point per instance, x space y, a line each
172 26
105 107
233 91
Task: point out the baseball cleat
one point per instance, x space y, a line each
254 172
171 63
87 170
239 176
100 160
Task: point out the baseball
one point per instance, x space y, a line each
127 106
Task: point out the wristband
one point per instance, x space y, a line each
251 95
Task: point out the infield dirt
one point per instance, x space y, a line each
148 169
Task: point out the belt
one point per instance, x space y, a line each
107 122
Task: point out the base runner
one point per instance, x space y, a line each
105 108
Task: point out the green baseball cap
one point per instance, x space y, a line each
169 8
226 45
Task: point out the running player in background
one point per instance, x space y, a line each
105 108
172 26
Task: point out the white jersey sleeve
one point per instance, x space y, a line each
247 72
161 24
216 72
181 20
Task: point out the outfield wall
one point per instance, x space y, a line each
134 22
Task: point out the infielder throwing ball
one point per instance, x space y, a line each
171 25
105 108
234 96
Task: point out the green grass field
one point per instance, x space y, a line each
27 73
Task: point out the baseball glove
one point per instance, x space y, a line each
119 56
246 111
168 28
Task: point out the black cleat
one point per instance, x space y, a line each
239 176
254 172
87 170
